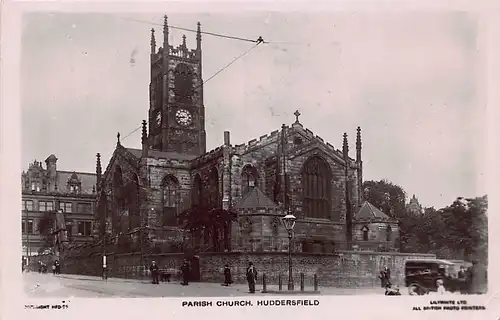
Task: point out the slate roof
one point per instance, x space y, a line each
161 154
369 212
256 199
87 180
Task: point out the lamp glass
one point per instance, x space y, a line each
289 221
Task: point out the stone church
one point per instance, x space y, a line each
288 170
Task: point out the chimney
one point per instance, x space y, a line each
144 139
51 163
227 138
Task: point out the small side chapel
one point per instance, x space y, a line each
288 170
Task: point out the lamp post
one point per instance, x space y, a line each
289 222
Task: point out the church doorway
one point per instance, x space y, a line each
194 262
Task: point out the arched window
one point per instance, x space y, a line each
134 202
365 231
388 234
213 189
183 83
316 186
275 226
197 191
249 179
170 187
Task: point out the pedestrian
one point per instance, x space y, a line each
382 279
58 267
462 278
251 277
387 276
478 282
227 275
440 286
154 272
185 272
54 269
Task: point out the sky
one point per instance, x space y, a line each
410 80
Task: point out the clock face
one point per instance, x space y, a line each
158 119
183 117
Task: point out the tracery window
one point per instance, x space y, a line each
183 83
316 186
170 187
365 231
388 233
249 179
213 189
197 191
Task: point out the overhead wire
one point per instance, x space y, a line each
204 82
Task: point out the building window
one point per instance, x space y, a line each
69 230
84 208
316 185
23 226
29 226
66 206
170 187
249 179
388 233
275 226
213 189
84 228
197 191
46 205
28 205
365 231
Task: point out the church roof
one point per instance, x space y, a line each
161 154
256 199
369 212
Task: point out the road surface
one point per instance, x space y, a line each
56 286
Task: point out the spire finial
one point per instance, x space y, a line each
153 41
345 146
358 145
118 138
198 36
144 131
297 115
165 33
184 40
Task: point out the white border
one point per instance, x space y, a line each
350 307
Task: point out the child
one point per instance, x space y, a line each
440 287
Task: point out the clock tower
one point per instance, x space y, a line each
176 110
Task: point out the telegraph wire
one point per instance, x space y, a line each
203 83
259 40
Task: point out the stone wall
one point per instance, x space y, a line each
341 269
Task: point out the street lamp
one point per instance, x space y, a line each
289 222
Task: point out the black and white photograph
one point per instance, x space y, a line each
255 154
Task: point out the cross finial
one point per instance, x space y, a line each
297 115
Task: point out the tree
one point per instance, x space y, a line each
213 221
45 229
385 195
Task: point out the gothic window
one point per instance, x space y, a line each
249 179
134 203
388 233
316 186
170 188
275 226
365 231
213 188
183 83
197 192
117 186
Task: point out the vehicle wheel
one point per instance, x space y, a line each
414 290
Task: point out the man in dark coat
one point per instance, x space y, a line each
154 272
251 277
185 273
227 275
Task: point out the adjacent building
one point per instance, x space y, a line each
55 203
288 170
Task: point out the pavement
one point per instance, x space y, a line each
69 285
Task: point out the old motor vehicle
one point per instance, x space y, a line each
421 276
